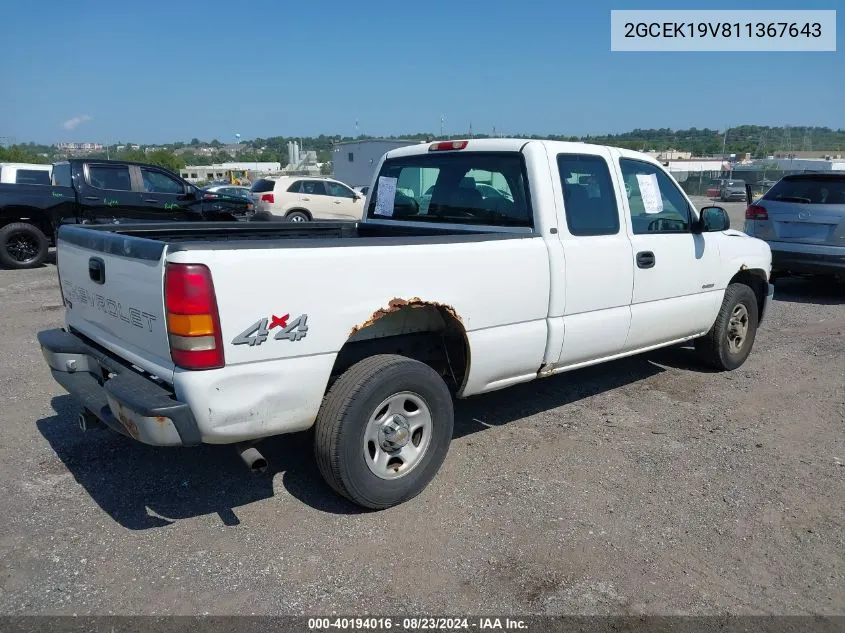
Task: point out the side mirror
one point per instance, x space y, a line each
714 219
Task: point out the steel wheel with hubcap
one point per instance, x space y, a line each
383 430
738 328
397 435
729 341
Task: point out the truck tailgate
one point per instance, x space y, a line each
113 287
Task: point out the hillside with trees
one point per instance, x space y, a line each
759 140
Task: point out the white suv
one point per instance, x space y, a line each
304 198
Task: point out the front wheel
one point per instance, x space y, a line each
728 343
383 430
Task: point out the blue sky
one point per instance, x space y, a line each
149 71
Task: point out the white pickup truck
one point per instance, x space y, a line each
478 265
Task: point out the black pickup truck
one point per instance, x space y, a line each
100 192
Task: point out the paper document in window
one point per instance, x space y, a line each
385 196
650 193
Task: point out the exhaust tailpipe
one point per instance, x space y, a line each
88 421
254 460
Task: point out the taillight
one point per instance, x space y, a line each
756 212
193 322
268 197
209 196
443 146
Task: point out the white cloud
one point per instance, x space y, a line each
72 123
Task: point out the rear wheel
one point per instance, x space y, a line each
22 246
297 216
383 430
729 341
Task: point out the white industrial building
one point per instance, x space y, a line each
355 162
809 164
207 173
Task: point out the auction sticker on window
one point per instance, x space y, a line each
723 30
385 196
650 193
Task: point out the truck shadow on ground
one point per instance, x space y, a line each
143 487
816 290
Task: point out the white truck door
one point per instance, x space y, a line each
673 294
598 276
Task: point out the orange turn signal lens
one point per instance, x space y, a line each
190 324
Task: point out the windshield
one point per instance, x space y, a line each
809 191
459 188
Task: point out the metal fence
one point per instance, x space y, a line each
704 183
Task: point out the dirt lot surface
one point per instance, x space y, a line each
647 485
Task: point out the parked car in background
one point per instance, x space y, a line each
99 192
305 198
802 217
714 187
25 174
230 191
732 190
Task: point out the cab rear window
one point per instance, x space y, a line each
32 177
482 188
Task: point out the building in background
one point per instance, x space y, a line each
207 173
78 148
354 162
670 154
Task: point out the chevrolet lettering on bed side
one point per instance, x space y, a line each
133 316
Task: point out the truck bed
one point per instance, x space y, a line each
227 235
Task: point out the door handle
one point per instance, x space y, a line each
306 199
92 197
645 259
148 200
337 201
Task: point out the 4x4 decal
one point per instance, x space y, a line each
258 332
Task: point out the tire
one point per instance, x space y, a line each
355 423
22 246
719 348
297 216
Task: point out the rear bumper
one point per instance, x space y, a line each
807 258
121 398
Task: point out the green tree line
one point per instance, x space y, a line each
759 140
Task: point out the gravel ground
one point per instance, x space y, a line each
647 485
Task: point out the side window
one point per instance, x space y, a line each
589 200
159 182
339 191
295 187
313 187
656 203
61 175
113 177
